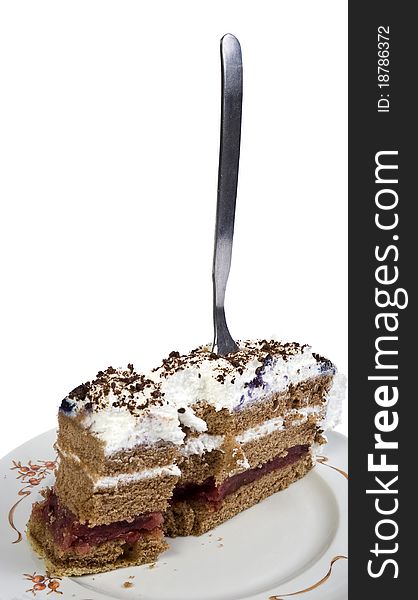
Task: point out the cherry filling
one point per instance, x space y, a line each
68 533
210 493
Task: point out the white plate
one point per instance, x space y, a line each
294 542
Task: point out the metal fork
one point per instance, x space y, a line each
231 62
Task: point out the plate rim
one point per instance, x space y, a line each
329 563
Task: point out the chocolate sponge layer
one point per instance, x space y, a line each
196 517
108 504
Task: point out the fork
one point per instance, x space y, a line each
231 63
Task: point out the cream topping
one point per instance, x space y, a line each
205 442
124 408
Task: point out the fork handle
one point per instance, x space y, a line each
231 110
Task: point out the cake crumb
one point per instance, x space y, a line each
152 565
220 539
220 545
127 584
131 577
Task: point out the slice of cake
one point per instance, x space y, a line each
117 444
179 450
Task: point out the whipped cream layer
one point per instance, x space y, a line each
123 478
205 442
124 408
126 478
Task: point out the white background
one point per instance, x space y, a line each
109 116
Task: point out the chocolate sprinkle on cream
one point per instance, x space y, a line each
126 389
243 376
263 350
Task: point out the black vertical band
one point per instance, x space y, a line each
383 426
